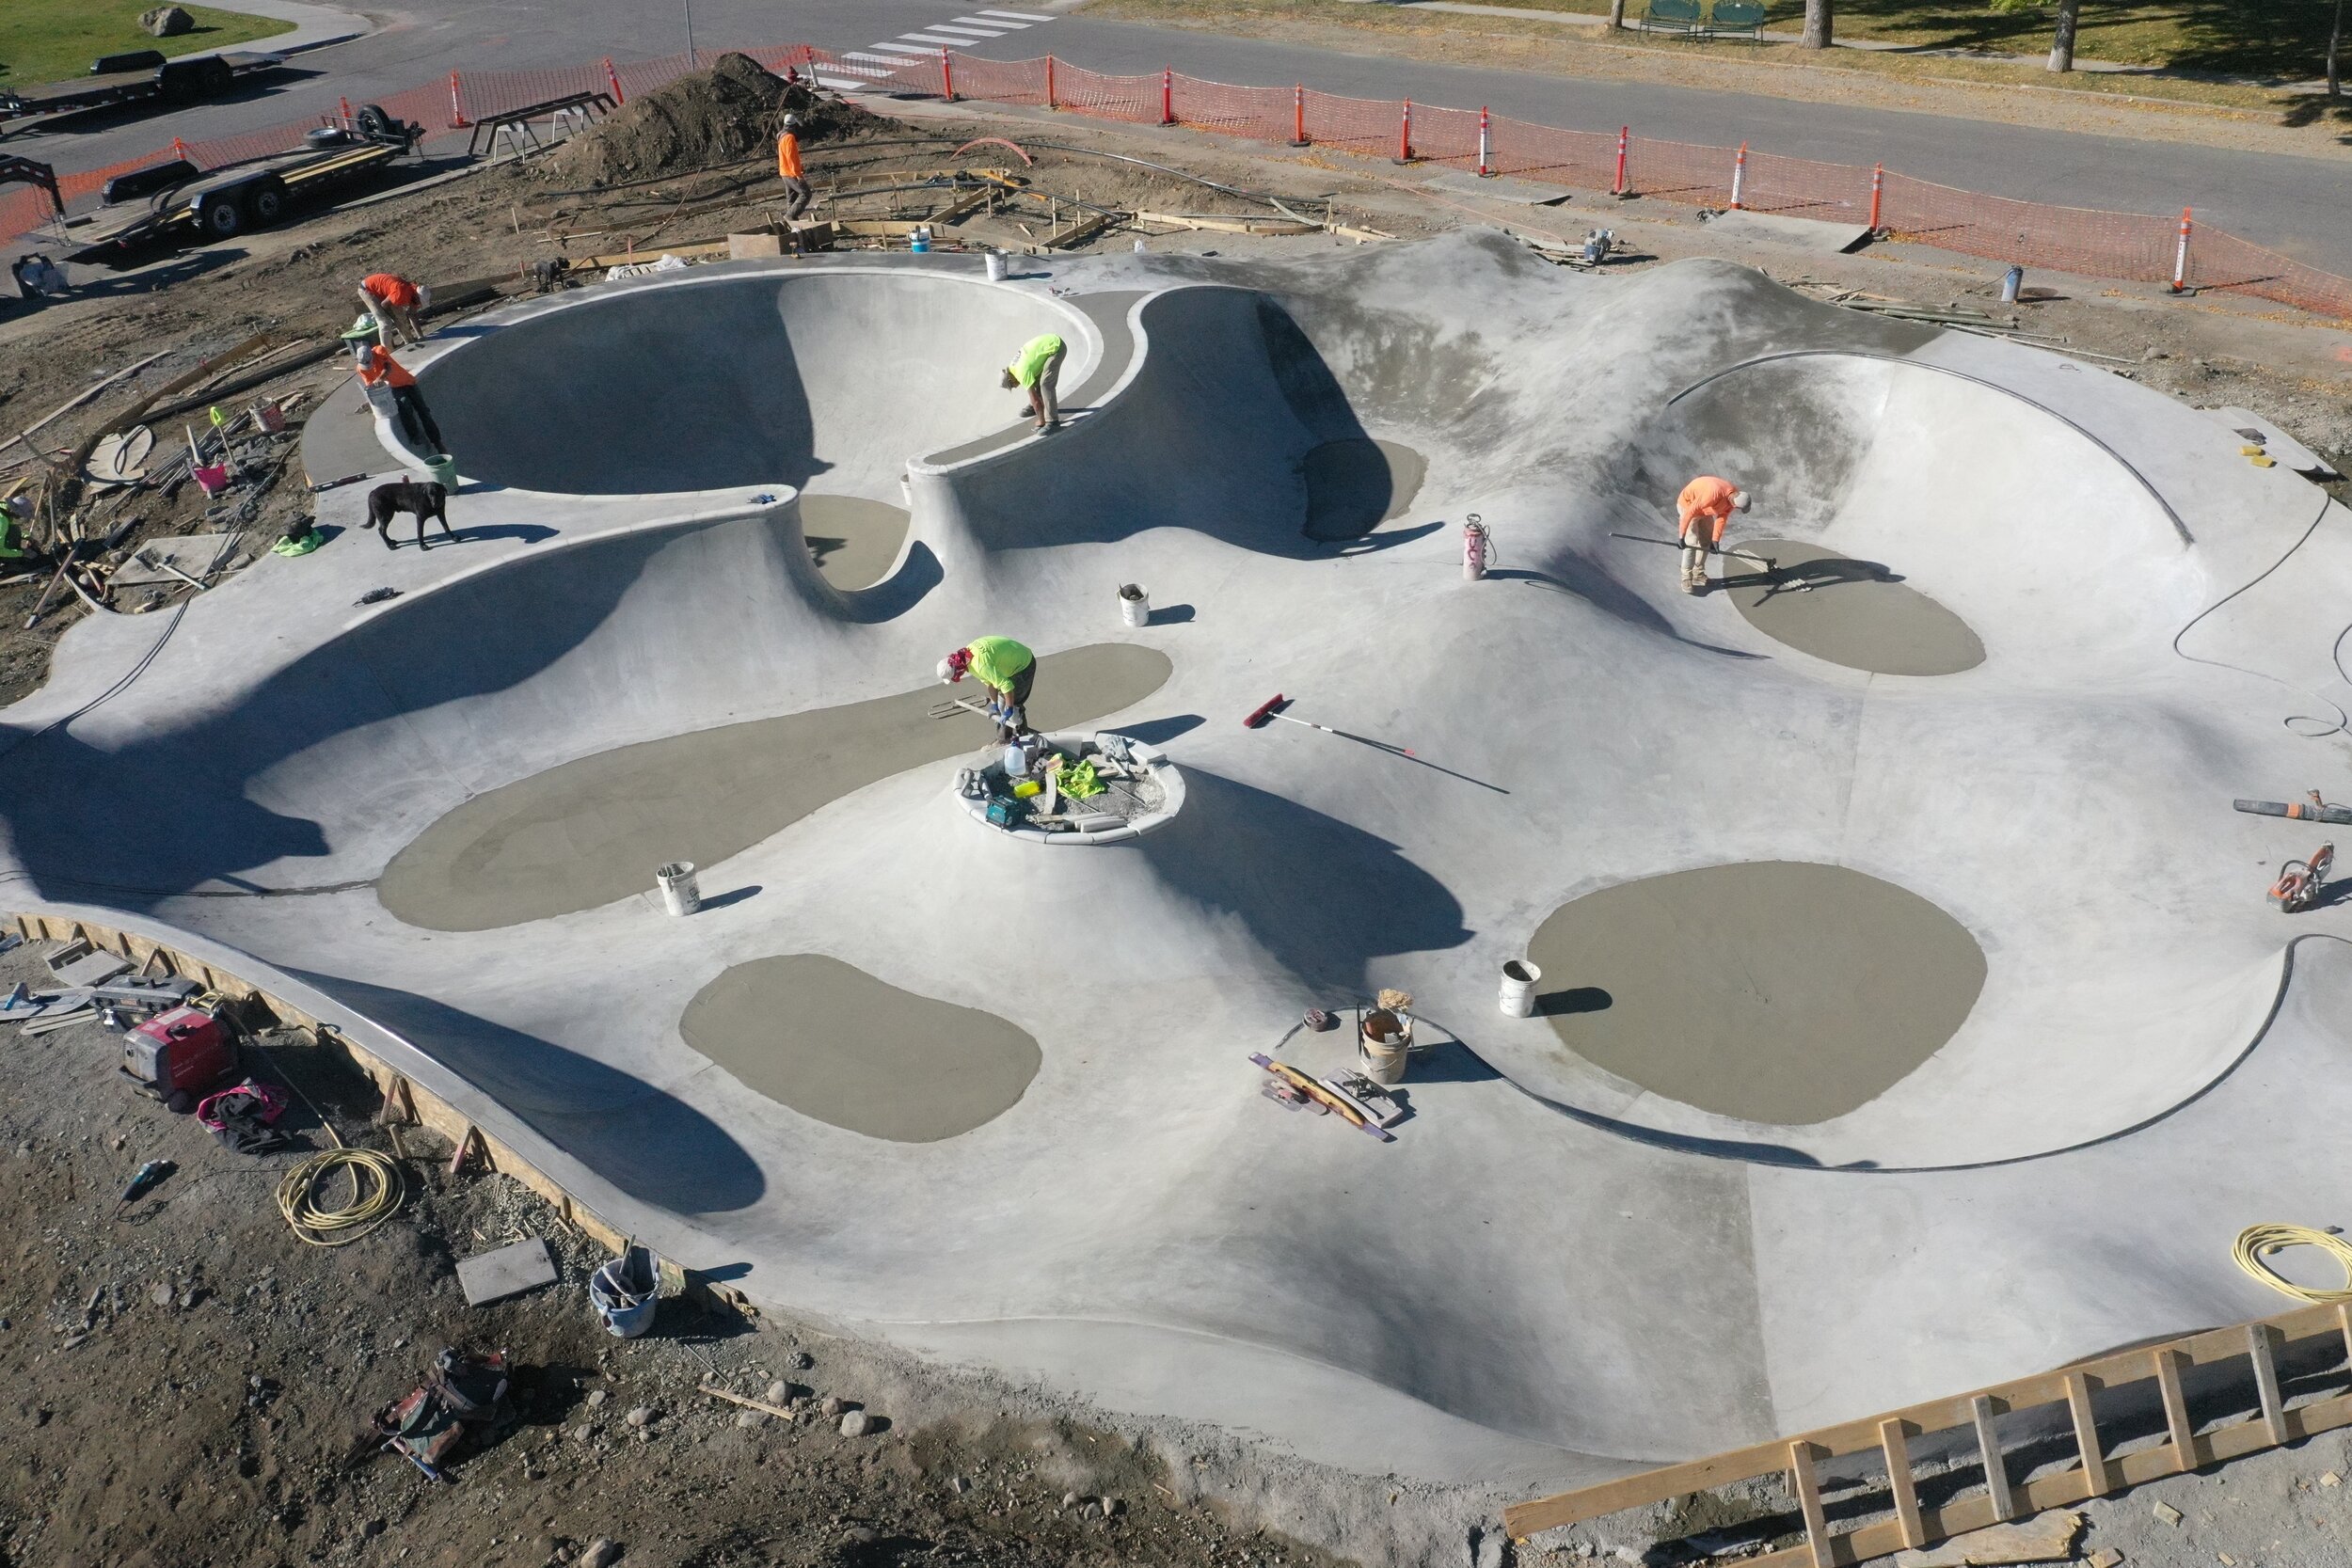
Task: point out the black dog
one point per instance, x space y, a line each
427 501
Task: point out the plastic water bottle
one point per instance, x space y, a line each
920 241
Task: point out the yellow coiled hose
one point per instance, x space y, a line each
2257 1242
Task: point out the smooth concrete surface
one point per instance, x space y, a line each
1354 484
2147 1064
835 1043
854 540
1770 990
1858 613
809 376
580 835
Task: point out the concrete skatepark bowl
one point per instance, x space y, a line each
1977 910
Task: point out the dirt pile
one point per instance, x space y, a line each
731 111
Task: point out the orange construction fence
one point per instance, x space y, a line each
2175 251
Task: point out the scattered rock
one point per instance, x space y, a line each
833 1405
1091 1510
959 1486
1070 1500
640 1416
861 1535
855 1424
160 1292
748 1417
779 1392
602 1553
2331 1478
1110 1509
597 1397
165 21
583 1431
2170 1514
802 1361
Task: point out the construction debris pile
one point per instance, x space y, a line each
732 111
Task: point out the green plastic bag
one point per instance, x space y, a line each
298 543
1077 780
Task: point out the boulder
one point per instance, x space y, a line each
165 21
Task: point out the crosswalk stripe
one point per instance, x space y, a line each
1025 16
902 49
841 84
858 70
966 32
877 59
931 38
993 22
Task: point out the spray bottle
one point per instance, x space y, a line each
1477 549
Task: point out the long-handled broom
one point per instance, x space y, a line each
1272 707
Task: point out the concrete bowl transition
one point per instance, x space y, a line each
1896 933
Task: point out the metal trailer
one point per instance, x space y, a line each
145 76
178 201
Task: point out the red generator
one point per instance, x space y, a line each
176 1056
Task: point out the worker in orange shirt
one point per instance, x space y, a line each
1705 504
391 300
788 169
379 372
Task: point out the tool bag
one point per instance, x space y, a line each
465 1397
245 1118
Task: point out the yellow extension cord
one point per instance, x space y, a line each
2257 1242
376 1190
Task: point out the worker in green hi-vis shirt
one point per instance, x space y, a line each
1037 370
1007 669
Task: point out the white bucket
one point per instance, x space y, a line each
1383 1055
995 266
1519 979
1135 604
679 893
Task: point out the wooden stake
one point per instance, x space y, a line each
717 1393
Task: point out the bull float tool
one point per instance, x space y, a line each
1764 561
1271 709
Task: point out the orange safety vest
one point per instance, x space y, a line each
379 367
391 289
789 157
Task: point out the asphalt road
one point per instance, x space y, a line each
2296 205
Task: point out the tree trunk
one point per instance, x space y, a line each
2335 42
2062 46
1817 23
1616 16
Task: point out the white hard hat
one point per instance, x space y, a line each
948 671
1739 499
424 295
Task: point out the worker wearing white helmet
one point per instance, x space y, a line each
1705 505
789 170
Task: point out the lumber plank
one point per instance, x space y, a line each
2262 1351
1808 1489
1996 1464
1892 1441
2096 1476
2187 1455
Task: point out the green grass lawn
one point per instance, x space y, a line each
48 41
2266 38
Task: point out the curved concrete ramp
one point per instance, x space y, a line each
834 377
592 831
1857 613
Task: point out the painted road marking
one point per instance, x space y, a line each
839 84
858 70
993 22
1025 16
966 32
903 49
931 38
877 59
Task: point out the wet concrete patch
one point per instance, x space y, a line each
835 1044
853 540
592 831
1857 613
1355 485
1777 991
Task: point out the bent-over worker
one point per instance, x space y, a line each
788 169
377 368
391 300
1706 504
1038 369
1007 669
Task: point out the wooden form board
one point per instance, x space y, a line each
2097 1473
406 1101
